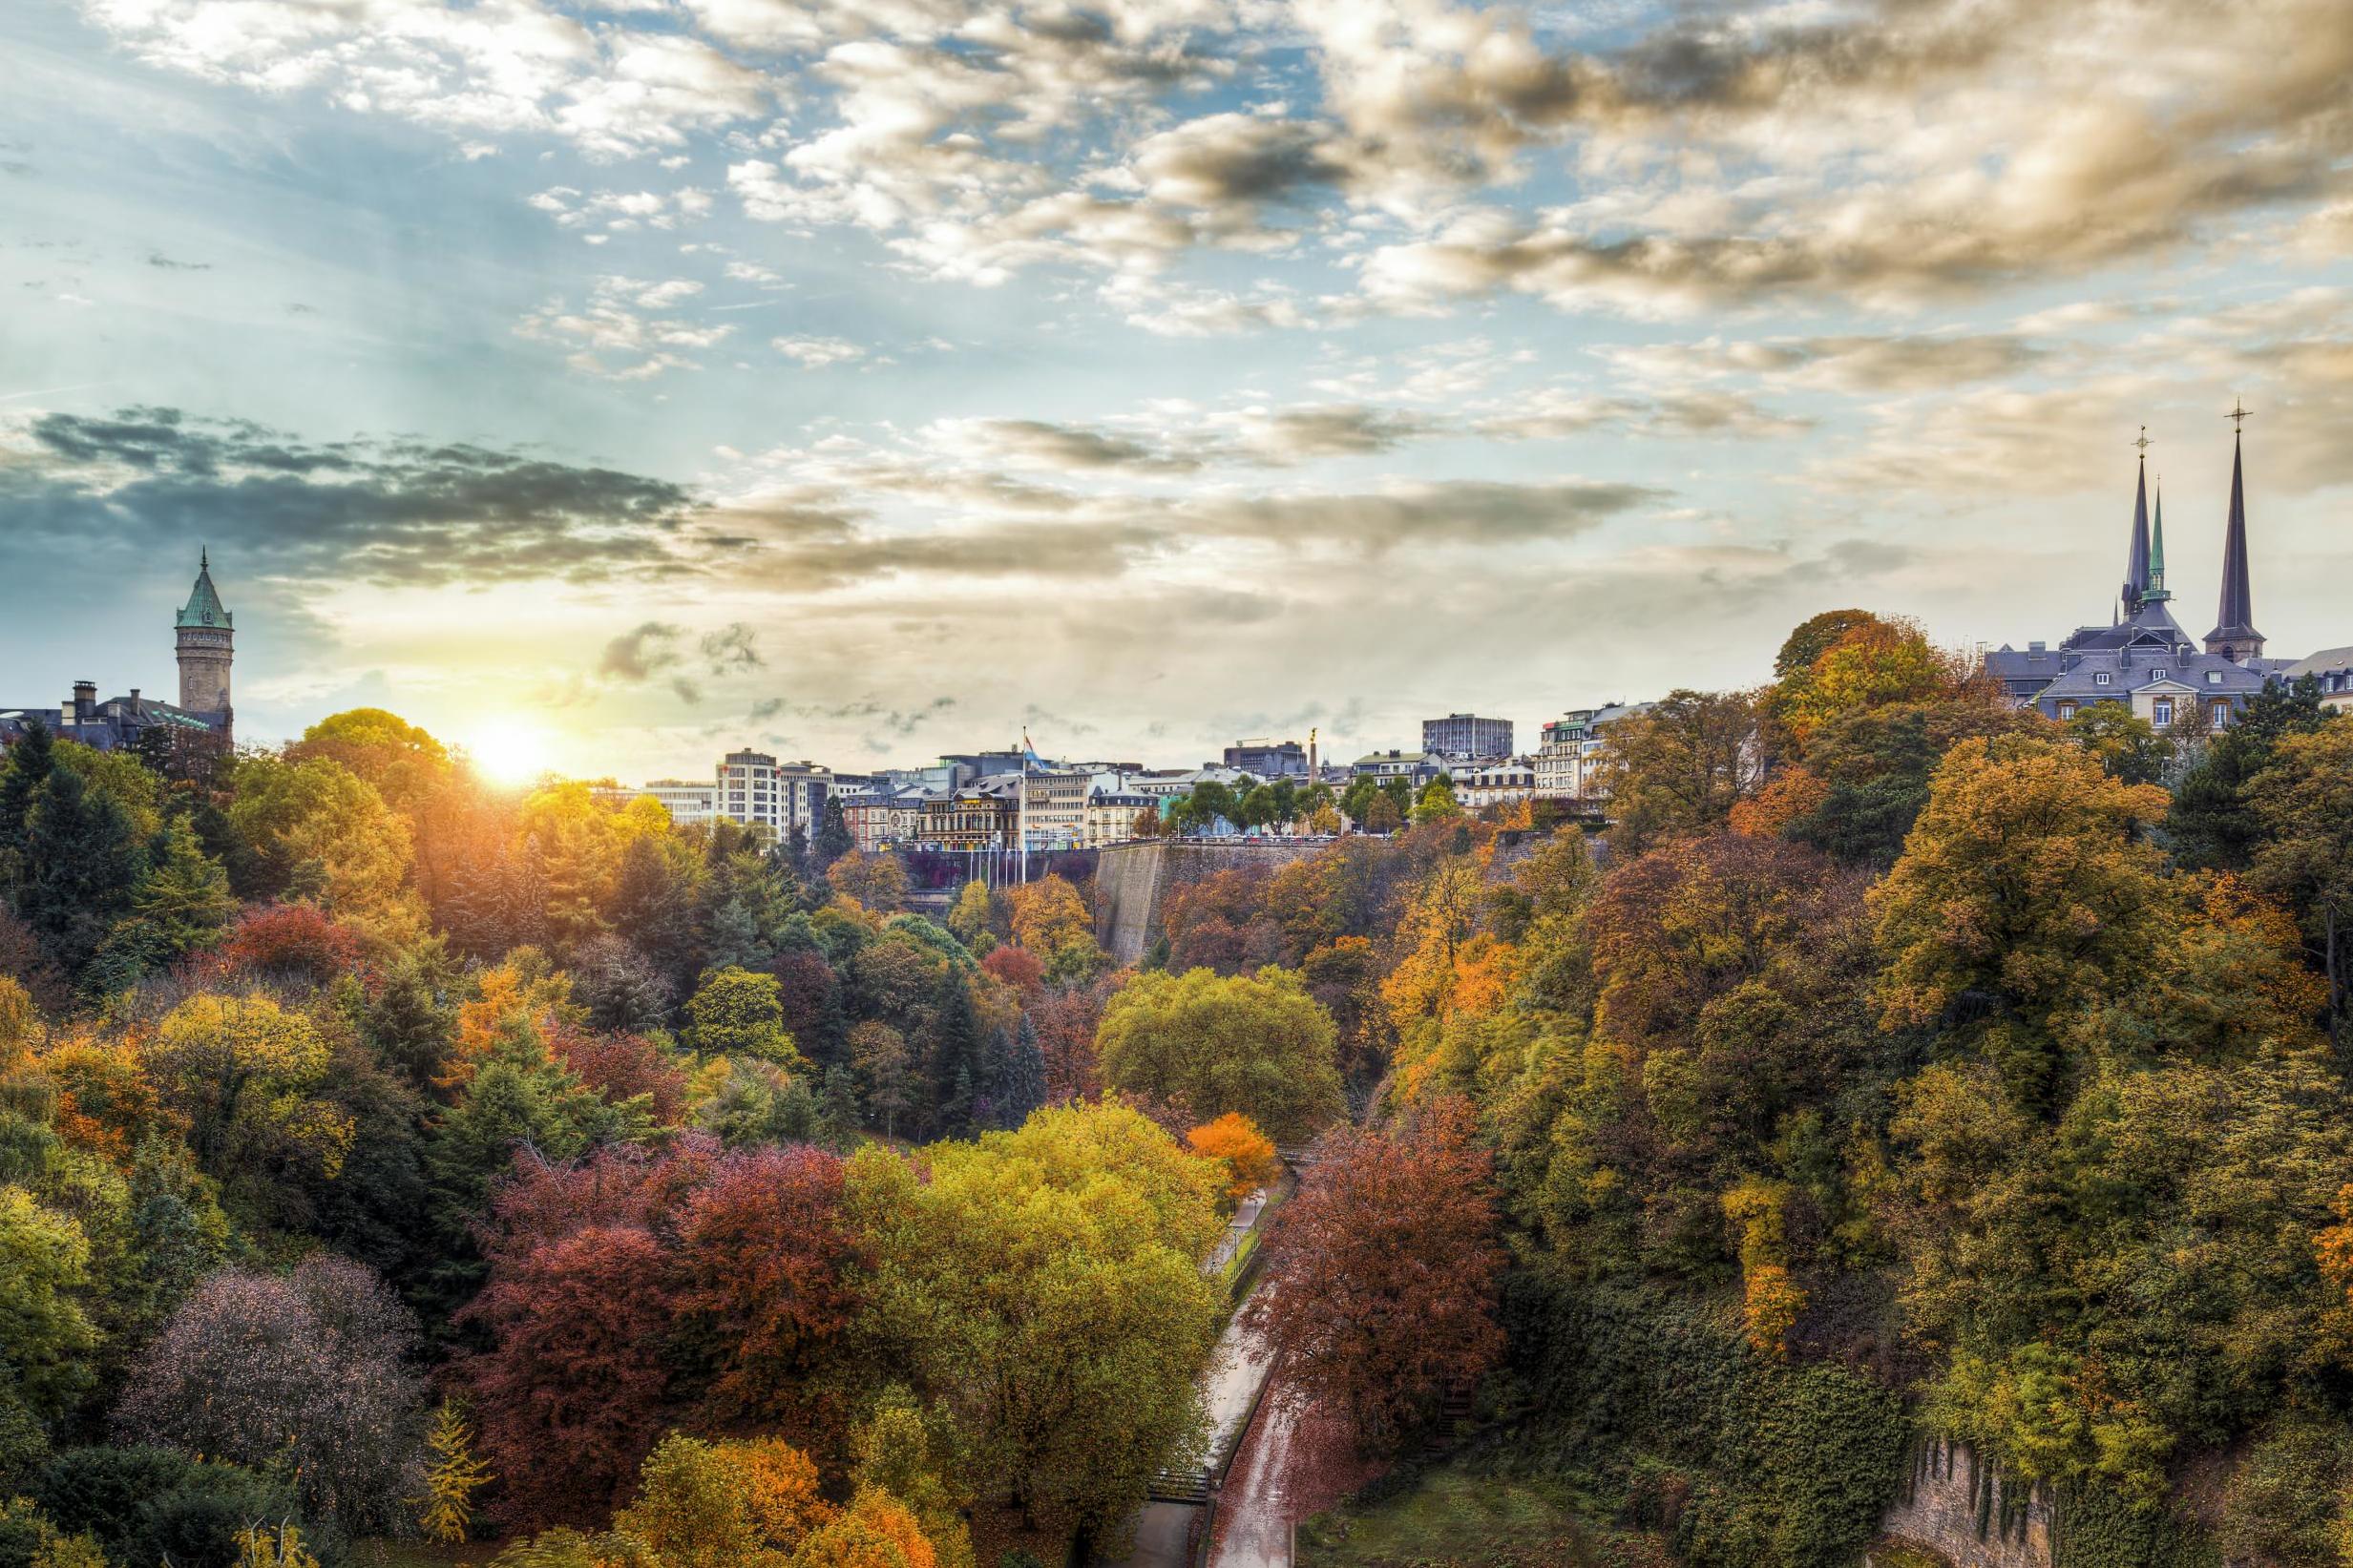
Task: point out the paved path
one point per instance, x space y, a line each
1254 1531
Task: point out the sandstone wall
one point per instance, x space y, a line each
1132 881
1961 1510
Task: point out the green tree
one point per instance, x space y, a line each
1681 767
2302 803
82 864
321 831
1045 1285
45 1338
1257 1044
181 902
1437 801
2028 883
2212 824
2128 745
735 1012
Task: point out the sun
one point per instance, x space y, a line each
509 750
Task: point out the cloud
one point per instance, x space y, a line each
732 647
638 654
399 512
817 353
156 259
621 333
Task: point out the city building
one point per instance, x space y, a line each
202 720
1416 768
690 803
1111 816
978 818
1479 784
2142 659
1269 760
1467 734
1563 766
880 818
1053 806
2331 669
754 787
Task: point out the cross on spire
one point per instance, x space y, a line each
2143 442
2239 414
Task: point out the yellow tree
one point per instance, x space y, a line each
242 1073
2028 885
452 1475
875 881
324 832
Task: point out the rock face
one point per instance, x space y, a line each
1132 880
1957 1507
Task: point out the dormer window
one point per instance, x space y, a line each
2101 678
2158 674
2214 677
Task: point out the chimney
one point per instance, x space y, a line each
85 700
134 697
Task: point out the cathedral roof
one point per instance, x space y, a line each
203 607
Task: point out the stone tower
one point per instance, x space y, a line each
204 652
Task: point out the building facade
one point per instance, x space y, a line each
969 819
754 788
1566 766
2331 669
2143 660
1269 760
1467 734
1482 784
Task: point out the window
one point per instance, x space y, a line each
2161 712
2214 677
2067 710
2100 680
2160 674
2221 713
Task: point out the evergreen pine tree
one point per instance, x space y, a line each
1025 1088
83 861
29 763
833 840
994 1108
956 1061
837 1109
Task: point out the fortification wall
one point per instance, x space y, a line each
1133 881
1961 1509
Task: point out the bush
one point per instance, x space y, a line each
2282 1499
147 1506
2095 1526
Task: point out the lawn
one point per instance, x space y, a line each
1452 1518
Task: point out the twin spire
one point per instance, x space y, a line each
2234 637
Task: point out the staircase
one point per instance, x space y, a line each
1180 1486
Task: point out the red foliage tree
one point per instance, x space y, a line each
621 1066
1381 1285
762 1256
284 943
620 1185
1065 1022
575 1391
1017 967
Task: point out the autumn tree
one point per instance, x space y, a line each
1256 1044
246 1075
2028 882
452 1475
1246 1154
314 1369
1382 1286
2302 800
1045 1283
1680 767
324 833
763 1265
876 880
736 1013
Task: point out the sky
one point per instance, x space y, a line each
861 379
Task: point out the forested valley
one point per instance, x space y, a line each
514 1176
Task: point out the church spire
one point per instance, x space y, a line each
2156 592
2235 637
2136 558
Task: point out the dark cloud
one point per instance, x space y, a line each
731 648
638 654
1462 511
156 259
396 513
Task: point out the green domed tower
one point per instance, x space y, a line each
205 651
